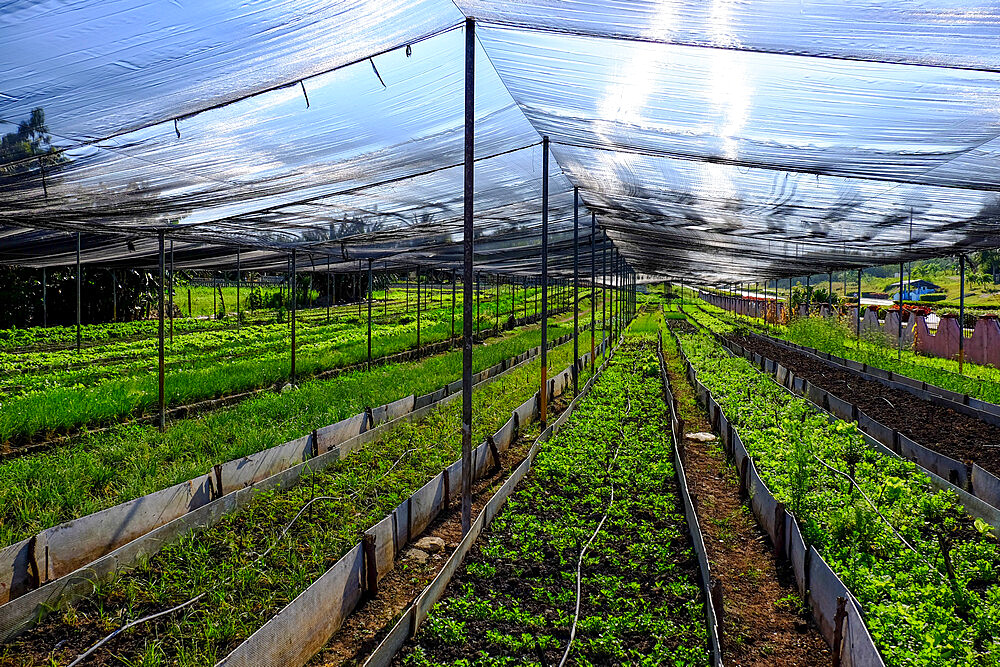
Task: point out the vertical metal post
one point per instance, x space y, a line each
808 296
162 393
899 340
357 281
239 279
79 283
593 286
329 289
496 315
369 313
215 304
453 305
407 291
468 250
576 288
961 313
477 303
418 310
858 322
543 391
604 290
114 295
829 296
45 298
295 302
170 294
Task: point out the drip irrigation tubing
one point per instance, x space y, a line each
600 525
259 558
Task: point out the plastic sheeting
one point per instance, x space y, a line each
714 141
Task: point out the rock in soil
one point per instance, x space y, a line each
431 545
418 556
700 437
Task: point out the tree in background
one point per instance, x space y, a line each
30 140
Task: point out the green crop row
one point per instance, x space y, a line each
248 568
71 404
514 600
38 338
102 469
837 337
931 600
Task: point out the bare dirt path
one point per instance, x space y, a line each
763 624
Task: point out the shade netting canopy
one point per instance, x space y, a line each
716 141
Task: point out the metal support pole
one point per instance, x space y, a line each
576 287
604 290
468 250
45 298
215 303
295 302
170 294
239 279
829 296
858 322
357 281
496 315
808 296
329 289
79 283
114 295
369 313
543 390
593 286
477 303
418 311
899 339
961 313
162 392
453 304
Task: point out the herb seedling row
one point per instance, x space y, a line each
514 601
939 604
242 590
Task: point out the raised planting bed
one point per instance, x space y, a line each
860 524
837 337
944 430
101 470
601 497
831 383
55 403
252 563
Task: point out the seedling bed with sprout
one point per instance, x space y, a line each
48 400
926 573
601 495
906 418
837 337
103 469
246 568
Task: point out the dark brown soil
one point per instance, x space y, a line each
945 431
763 624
